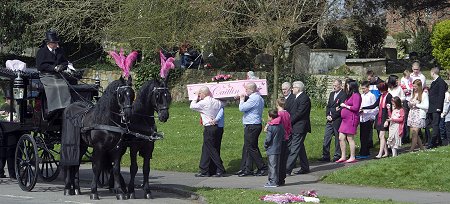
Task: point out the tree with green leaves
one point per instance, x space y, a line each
13 20
440 40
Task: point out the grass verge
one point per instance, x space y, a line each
423 170
231 196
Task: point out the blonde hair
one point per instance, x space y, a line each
418 83
406 73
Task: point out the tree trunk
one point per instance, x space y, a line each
276 67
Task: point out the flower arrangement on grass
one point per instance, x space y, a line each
304 196
221 77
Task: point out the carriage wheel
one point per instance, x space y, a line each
27 162
49 165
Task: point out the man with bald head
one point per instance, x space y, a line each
252 119
209 108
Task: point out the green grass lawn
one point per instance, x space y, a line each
424 170
223 196
181 148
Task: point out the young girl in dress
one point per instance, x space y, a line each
396 119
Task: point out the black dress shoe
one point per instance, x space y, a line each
218 175
2 176
239 172
301 171
201 175
261 173
324 159
245 174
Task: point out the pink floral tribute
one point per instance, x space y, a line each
221 77
124 62
304 196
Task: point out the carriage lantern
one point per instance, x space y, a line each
19 87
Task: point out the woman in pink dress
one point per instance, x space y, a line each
350 120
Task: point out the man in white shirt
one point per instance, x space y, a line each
367 117
416 74
208 108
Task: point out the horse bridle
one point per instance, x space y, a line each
123 107
156 104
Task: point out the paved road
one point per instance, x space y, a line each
175 185
52 192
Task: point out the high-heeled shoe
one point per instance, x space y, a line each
341 160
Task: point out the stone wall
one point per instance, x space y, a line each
360 66
325 60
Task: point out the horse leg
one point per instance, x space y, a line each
76 171
68 181
133 171
96 167
117 188
146 173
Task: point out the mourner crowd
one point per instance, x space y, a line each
396 109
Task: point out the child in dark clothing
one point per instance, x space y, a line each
272 144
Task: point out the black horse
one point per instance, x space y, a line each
99 127
153 96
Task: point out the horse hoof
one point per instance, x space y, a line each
94 196
68 192
148 195
132 196
77 191
121 196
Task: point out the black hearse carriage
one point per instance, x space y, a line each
25 121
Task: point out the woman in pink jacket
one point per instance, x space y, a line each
350 120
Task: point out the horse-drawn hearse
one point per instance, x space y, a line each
26 122
108 124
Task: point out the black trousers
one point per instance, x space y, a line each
217 145
251 152
210 154
283 160
364 132
330 131
297 150
405 137
435 135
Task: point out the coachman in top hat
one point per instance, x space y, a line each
50 61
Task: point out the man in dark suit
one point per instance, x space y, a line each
301 125
436 94
286 89
334 120
50 61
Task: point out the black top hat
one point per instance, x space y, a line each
51 36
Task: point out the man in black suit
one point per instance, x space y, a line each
334 120
50 61
286 88
300 127
436 94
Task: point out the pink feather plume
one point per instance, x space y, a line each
124 62
166 65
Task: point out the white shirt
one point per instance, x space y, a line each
368 99
286 97
419 76
296 96
208 108
51 50
397 91
407 83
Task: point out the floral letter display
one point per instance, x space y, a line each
227 89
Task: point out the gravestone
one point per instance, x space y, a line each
264 61
300 58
